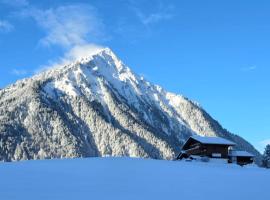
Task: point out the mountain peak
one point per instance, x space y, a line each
102 56
86 54
96 106
107 50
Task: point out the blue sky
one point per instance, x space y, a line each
213 52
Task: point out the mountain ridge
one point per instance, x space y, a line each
97 106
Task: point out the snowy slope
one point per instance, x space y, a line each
97 106
125 178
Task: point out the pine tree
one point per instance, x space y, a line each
266 157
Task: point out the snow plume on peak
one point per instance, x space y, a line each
75 54
83 51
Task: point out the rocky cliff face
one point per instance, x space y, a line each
98 107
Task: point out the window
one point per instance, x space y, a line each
216 155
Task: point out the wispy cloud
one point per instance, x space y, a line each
76 28
265 142
15 3
67 26
19 72
159 13
145 16
153 18
250 68
5 26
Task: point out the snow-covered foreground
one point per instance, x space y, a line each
126 178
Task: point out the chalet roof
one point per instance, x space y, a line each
241 154
212 140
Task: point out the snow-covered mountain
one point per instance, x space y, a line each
96 107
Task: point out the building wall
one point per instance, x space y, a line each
194 151
218 149
208 150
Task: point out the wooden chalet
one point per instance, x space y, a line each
214 147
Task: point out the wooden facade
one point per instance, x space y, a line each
199 148
214 147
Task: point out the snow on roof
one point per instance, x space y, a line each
212 140
241 154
